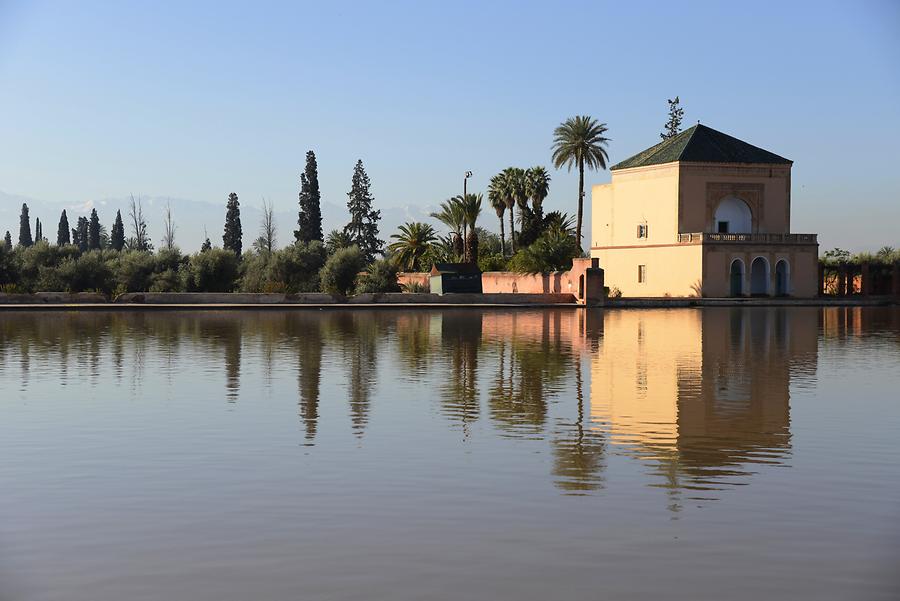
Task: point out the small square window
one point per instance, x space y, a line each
642 231
642 274
722 227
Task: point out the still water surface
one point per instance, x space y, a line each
455 454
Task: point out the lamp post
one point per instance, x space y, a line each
465 234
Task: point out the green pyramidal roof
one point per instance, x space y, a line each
701 144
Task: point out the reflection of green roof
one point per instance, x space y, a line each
701 144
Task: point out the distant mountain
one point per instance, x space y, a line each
191 217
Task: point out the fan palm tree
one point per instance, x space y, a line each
471 208
580 142
559 221
513 193
537 187
519 185
498 202
452 215
412 242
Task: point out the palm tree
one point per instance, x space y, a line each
471 208
452 215
559 221
336 240
498 203
537 187
411 244
513 193
579 141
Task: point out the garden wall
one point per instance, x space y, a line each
511 282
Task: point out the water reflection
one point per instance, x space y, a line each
701 398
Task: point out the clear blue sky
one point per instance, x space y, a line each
101 99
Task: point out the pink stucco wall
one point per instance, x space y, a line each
537 283
510 282
405 278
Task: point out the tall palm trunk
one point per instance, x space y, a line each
502 240
580 197
465 243
512 231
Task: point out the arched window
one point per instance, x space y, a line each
782 278
759 277
736 274
733 216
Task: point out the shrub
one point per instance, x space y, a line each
9 270
34 263
212 271
413 287
165 281
381 276
254 272
296 267
492 262
553 251
340 270
134 270
488 242
90 271
168 259
11 289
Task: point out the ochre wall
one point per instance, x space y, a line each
802 260
636 371
767 189
671 270
636 196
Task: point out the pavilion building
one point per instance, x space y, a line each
702 214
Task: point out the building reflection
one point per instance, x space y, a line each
702 396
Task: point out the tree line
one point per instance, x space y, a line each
87 256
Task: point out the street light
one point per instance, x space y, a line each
465 179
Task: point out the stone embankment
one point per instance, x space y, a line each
200 300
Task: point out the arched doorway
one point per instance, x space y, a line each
733 216
759 277
782 278
737 278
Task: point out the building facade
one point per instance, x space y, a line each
702 214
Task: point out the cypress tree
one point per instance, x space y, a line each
309 219
38 232
673 125
94 231
62 232
231 239
8 239
117 237
363 226
25 238
80 235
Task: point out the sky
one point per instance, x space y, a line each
184 102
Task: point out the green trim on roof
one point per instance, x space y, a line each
702 144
